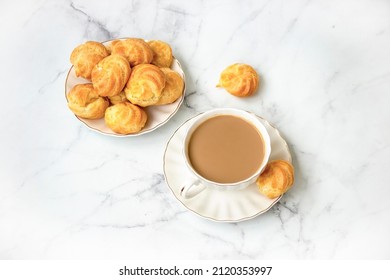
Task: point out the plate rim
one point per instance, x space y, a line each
113 134
211 218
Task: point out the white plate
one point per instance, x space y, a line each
157 115
220 206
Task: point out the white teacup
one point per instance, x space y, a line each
199 183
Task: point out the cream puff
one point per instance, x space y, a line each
135 50
125 118
276 179
173 89
162 53
120 97
85 102
110 75
145 85
239 79
85 56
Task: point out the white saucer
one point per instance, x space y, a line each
157 115
220 206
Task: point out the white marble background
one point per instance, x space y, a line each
68 192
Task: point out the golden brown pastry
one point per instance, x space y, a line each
125 118
162 53
276 179
173 89
145 85
239 79
110 75
84 102
84 57
108 47
135 50
120 97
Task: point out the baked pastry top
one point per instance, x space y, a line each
135 50
162 53
120 97
276 179
239 79
173 89
85 56
145 85
84 102
125 118
110 75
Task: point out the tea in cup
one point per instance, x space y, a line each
225 149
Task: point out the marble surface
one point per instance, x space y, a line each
68 192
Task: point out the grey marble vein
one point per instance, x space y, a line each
98 24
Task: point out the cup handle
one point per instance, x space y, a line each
191 189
